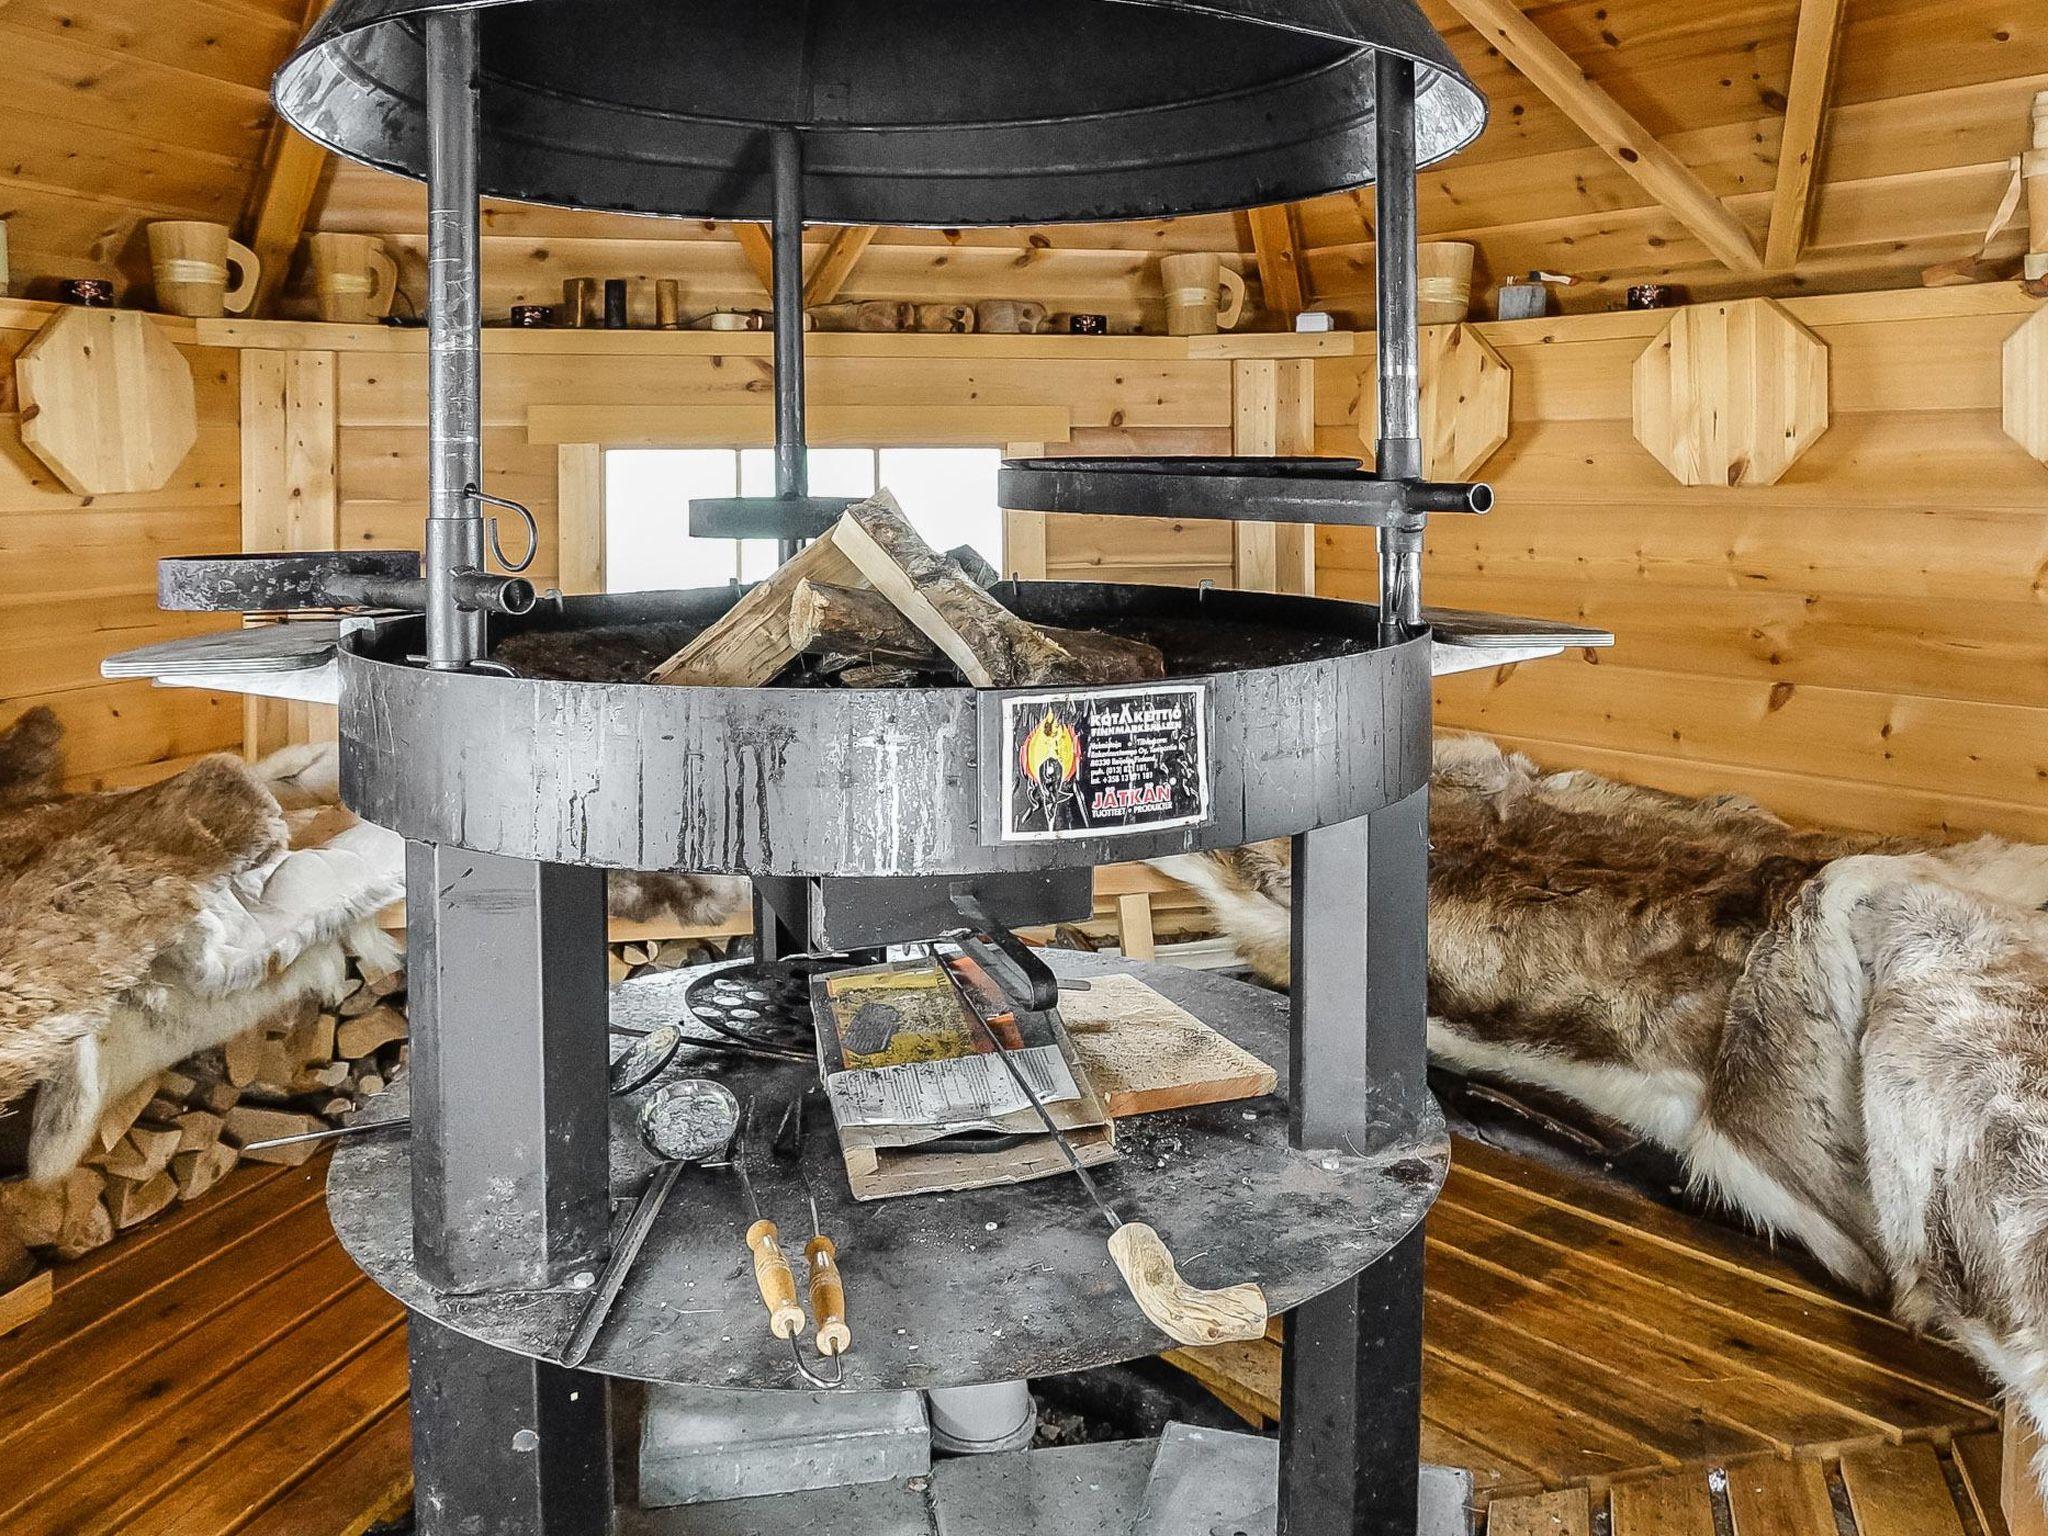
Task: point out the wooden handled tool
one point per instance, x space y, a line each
1184 1313
828 1297
777 1282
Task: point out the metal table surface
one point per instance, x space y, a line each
942 1290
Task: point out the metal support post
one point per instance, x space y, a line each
1399 452
792 467
1351 1381
511 1179
455 526
503 1445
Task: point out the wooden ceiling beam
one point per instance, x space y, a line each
1279 257
274 220
1604 120
1814 52
832 270
759 251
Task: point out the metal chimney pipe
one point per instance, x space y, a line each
455 525
792 467
1399 342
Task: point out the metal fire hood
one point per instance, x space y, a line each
920 112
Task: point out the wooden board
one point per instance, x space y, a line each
1899 1490
106 402
1566 1513
1780 1498
2025 402
1732 394
1145 1053
1664 1506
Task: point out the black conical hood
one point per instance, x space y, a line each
929 112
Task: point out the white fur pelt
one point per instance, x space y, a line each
262 939
1844 1039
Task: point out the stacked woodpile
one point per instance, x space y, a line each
175 1136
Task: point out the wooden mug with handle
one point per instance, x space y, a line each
1203 295
189 260
355 280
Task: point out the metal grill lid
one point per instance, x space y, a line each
920 112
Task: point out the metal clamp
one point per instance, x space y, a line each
497 547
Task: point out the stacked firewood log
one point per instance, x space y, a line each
175 1136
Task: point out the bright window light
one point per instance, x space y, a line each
949 495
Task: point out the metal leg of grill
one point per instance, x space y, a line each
503 1445
511 1180
1351 1386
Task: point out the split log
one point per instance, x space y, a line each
86 1223
246 1124
176 1085
33 1212
198 1171
847 621
991 646
854 621
751 642
118 1116
364 1036
198 1129
140 1155
310 1041
130 1202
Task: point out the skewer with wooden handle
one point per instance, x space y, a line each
828 1296
775 1280
1185 1313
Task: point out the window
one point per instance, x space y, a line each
949 495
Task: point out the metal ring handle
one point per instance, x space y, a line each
498 548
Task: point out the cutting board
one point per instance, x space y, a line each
106 401
1145 1053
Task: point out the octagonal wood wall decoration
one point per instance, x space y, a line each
1466 389
2026 385
1732 394
106 401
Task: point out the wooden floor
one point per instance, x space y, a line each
224 1370
227 1370
1590 1352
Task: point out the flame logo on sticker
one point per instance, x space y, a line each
1051 740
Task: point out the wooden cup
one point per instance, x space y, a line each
355 280
2034 168
1203 296
1443 281
190 260
1010 317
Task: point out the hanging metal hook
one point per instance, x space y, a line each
838 1377
497 546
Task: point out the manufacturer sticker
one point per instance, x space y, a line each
1102 764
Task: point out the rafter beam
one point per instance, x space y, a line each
274 219
759 251
1604 120
1814 52
831 270
1279 258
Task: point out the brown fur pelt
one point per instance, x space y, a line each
694 899
94 888
1844 1037
142 926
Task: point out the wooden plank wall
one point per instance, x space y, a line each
78 578
118 112
1865 643
546 392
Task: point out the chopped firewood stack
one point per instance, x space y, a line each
175 1136
874 603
